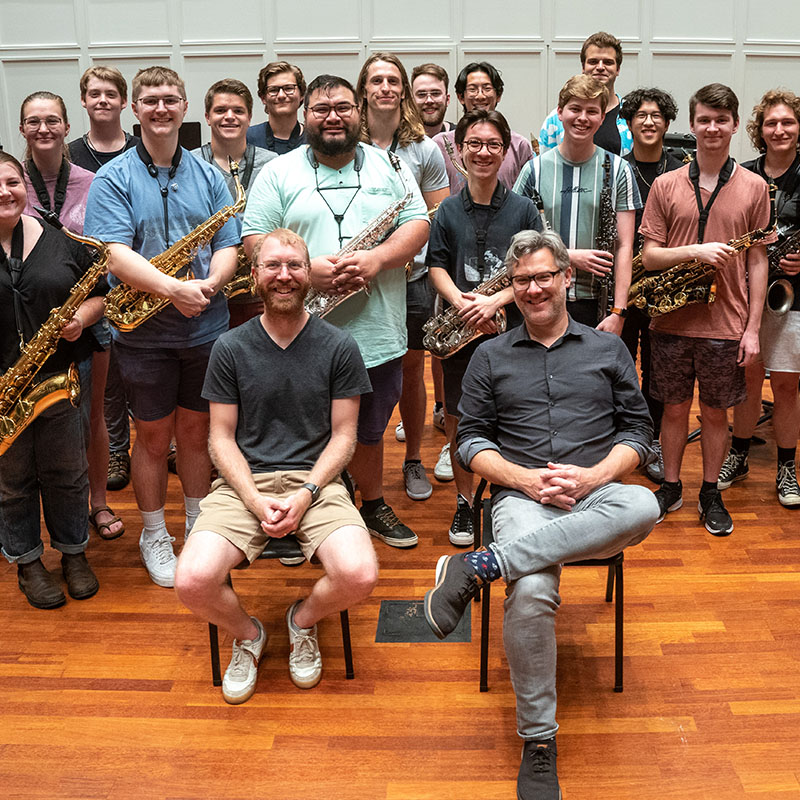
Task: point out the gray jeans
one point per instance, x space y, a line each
532 541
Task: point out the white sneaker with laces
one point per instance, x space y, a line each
305 661
239 682
443 471
158 557
400 432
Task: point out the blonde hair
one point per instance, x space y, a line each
287 238
156 76
583 87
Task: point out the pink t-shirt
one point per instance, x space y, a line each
670 219
74 207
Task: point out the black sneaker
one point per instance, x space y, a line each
456 585
538 778
383 524
461 533
670 498
786 484
734 468
713 512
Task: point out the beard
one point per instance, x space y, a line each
432 118
283 305
319 144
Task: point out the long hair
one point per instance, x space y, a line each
411 129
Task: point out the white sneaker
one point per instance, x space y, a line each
400 432
239 682
305 661
443 471
158 557
438 418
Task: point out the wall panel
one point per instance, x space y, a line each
54 23
144 22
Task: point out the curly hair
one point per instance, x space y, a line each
632 102
411 129
771 98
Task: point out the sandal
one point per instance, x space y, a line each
103 529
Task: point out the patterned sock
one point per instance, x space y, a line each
740 445
485 564
153 521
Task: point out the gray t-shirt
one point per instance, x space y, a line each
249 166
284 395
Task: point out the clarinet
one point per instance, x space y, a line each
606 240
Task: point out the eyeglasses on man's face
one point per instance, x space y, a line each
323 110
541 279
288 89
476 145
153 102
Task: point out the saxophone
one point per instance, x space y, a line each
780 294
20 405
319 303
606 240
127 308
691 281
448 146
242 281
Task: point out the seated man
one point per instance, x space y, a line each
552 416
284 392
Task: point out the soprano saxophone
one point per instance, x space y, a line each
127 308
606 240
19 404
320 303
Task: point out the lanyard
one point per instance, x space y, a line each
247 162
481 234
13 264
152 170
358 160
41 190
694 177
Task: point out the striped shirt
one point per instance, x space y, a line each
571 194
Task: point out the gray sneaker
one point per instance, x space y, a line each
305 661
733 469
655 471
418 487
239 682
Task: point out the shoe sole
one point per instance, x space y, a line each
307 684
56 604
235 700
294 561
711 530
394 542
674 507
441 571
793 503
444 479
460 539
723 485
164 583
420 496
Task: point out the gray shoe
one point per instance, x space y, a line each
239 682
418 487
655 471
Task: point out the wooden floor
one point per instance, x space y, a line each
112 697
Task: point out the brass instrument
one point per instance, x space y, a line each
780 294
20 405
242 280
606 239
534 145
319 303
447 333
127 308
448 146
409 267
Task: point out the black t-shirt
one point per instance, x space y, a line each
454 237
84 155
261 135
284 395
47 276
645 173
607 135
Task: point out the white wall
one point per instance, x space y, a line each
679 45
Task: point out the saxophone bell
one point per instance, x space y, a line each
780 297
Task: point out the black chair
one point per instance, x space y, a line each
287 547
482 523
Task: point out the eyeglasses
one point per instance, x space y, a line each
277 266
288 89
152 102
485 88
34 123
542 279
641 116
476 145
436 94
322 111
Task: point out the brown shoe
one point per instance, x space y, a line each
81 581
119 470
39 586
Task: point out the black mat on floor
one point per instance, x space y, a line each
404 621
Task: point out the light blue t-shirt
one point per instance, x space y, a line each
125 206
286 194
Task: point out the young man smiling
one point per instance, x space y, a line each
281 88
430 90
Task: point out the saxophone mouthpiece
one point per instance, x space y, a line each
49 216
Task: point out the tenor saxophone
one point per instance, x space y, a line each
19 404
320 303
127 308
780 293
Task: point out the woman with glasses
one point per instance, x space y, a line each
57 185
469 238
38 268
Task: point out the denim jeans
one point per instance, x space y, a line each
48 459
531 542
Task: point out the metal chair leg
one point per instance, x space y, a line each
618 629
485 607
348 650
213 638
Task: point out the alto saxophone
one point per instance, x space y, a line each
20 405
242 281
448 146
320 303
127 308
606 240
780 294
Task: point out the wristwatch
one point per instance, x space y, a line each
620 312
313 488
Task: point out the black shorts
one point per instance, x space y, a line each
453 369
419 309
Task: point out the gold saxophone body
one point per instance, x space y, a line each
319 303
242 280
127 308
20 401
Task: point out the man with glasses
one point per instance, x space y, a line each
469 238
601 58
281 88
552 417
328 191
280 446
429 88
479 85
141 203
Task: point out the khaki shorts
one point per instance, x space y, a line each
223 512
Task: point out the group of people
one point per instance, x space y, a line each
387 212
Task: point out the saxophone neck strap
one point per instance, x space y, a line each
482 233
152 170
704 210
358 162
13 263
37 181
246 162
